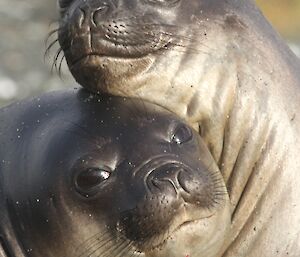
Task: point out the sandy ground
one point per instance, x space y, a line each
24 25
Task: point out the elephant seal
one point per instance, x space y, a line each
220 66
85 175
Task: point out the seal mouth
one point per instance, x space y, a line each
118 51
95 57
184 225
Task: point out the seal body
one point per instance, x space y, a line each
86 175
220 66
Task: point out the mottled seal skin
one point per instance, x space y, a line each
95 176
220 66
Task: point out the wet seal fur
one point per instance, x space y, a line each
85 175
220 66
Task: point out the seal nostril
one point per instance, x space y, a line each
182 177
163 181
155 183
81 17
162 185
99 14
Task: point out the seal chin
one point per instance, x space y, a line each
186 225
190 238
96 71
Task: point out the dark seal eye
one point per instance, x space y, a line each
181 134
88 181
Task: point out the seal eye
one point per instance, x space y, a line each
181 134
88 180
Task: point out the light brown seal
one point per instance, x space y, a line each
222 67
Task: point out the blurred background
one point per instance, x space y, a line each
25 24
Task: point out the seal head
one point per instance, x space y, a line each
106 40
109 176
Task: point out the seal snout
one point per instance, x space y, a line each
173 178
94 12
164 179
100 12
174 193
104 29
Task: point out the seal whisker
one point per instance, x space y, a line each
97 242
117 248
54 65
156 240
185 47
60 66
188 49
126 249
56 40
51 33
168 32
182 37
104 243
47 51
151 25
90 238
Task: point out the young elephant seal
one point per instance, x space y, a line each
101 176
220 66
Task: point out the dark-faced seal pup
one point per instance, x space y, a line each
220 66
101 176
